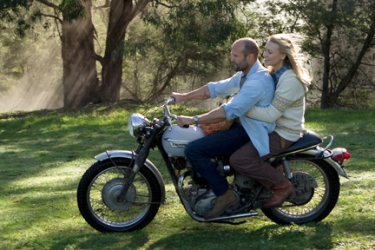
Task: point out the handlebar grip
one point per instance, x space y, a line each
171 99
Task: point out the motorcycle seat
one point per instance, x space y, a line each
308 140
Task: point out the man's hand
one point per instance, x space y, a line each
178 97
184 121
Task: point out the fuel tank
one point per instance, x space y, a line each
175 139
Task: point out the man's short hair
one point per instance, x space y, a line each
250 46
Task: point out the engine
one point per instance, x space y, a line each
201 198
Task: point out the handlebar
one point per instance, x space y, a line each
170 100
167 112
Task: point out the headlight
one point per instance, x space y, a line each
135 120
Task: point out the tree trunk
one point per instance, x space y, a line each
368 43
119 19
122 12
325 101
80 79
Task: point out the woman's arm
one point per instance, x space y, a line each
288 90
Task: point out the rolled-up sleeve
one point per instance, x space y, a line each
241 103
225 87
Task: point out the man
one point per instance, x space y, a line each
254 86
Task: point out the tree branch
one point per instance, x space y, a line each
367 77
106 5
52 16
139 7
368 64
99 58
165 5
49 4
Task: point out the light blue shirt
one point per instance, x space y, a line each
257 90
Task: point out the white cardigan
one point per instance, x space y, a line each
287 107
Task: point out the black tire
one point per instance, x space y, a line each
99 187
323 198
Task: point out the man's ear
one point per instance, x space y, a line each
250 57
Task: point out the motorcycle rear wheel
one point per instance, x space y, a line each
98 191
323 198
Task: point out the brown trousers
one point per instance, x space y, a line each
247 161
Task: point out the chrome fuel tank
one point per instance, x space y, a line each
175 139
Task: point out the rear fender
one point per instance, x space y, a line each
129 155
327 158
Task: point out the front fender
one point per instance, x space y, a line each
129 155
339 169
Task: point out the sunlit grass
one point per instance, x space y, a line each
44 154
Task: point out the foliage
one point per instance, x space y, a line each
14 63
183 44
30 70
190 33
208 22
339 37
43 13
44 154
357 98
72 9
20 12
178 44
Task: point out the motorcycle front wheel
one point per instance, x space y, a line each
317 189
99 189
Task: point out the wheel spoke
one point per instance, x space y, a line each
316 193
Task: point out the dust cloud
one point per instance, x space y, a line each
41 86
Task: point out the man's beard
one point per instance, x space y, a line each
240 66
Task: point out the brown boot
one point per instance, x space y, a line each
228 199
281 191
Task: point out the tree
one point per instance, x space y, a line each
80 78
121 13
185 44
339 36
76 31
74 22
181 39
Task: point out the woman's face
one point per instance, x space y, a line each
272 56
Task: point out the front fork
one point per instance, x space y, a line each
129 177
138 160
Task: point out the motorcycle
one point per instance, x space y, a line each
123 190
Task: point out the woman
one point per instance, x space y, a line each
284 61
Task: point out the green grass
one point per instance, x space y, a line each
44 154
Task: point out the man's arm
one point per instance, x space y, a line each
251 93
201 93
215 115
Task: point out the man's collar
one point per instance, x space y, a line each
253 69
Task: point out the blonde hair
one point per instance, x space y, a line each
289 45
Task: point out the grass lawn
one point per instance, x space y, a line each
44 154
